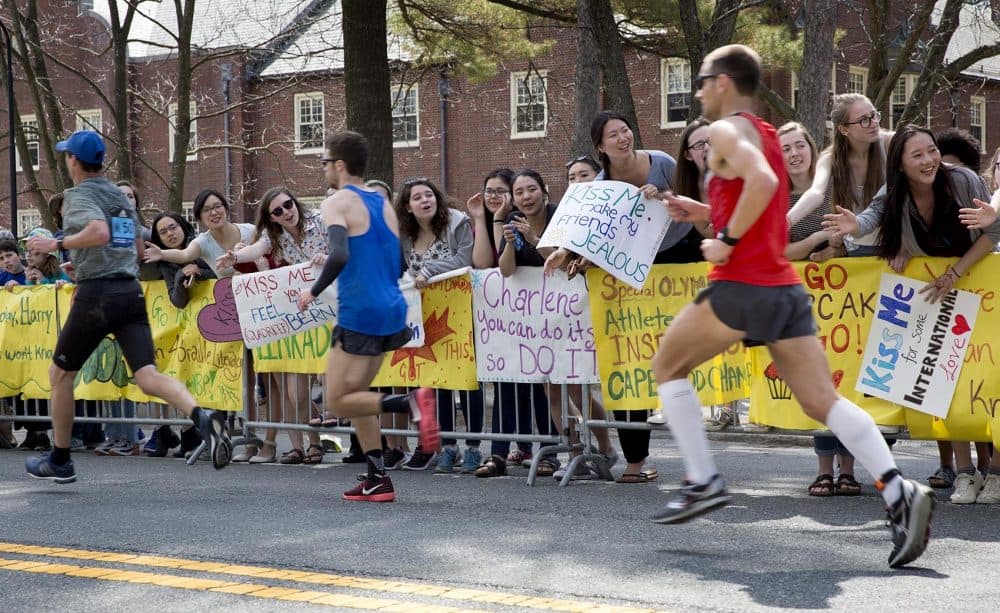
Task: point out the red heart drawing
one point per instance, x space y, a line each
219 322
961 325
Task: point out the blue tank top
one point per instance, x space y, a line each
368 293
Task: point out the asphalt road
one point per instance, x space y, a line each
774 548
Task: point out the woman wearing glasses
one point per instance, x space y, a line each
851 171
285 234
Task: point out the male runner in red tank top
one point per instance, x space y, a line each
755 296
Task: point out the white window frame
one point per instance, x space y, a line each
520 77
399 99
857 71
33 143
683 87
192 155
909 81
83 6
90 119
979 104
300 148
28 219
833 89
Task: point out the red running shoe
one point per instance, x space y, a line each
369 491
424 404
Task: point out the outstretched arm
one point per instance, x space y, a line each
812 197
335 218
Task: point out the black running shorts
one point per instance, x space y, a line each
102 307
357 343
764 314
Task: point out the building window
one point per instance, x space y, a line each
192 132
833 89
89 119
29 123
28 219
675 92
309 122
857 80
84 6
977 120
406 117
529 111
901 94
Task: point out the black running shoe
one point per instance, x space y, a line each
910 522
694 500
215 431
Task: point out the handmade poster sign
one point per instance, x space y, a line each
611 224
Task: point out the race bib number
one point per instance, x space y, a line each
122 232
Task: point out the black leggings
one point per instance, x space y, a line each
635 443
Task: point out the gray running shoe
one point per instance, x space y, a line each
694 500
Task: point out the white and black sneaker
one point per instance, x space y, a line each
910 522
215 431
694 500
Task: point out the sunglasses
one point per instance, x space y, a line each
699 80
281 208
582 158
414 181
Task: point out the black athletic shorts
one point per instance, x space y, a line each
765 314
102 307
357 343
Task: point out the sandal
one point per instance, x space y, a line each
495 466
942 479
294 456
847 486
324 422
643 476
314 455
823 486
546 468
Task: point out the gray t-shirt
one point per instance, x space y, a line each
211 249
98 198
661 174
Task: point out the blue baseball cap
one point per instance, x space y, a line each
86 145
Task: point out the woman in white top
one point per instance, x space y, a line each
212 211
285 234
851 171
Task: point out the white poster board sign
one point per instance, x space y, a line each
267 308
611 224
915 349
530 328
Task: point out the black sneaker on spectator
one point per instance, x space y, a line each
394 458
694 500
28 444
105 447
42 442
420 460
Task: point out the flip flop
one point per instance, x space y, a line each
644 476
323 422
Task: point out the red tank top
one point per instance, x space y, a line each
759 258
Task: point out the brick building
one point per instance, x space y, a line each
272 104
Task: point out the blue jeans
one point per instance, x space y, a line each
826 446
125 432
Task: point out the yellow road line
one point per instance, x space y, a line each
262 572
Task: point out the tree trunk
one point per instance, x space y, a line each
120 111
700 40
588 87
817 58
27 171
182 121
933 63
617 88
366 82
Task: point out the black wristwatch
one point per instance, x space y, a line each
59 245
723 236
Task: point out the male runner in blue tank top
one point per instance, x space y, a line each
366 260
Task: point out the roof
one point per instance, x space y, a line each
976 29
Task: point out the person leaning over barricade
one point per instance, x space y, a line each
286 235
582 169
512 402
521 233
11 265
172 231
927 209
436 238
101 233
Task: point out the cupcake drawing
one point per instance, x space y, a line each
776 386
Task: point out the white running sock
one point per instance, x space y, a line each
857 431
683 412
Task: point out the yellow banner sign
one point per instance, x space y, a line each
29 326
628 324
